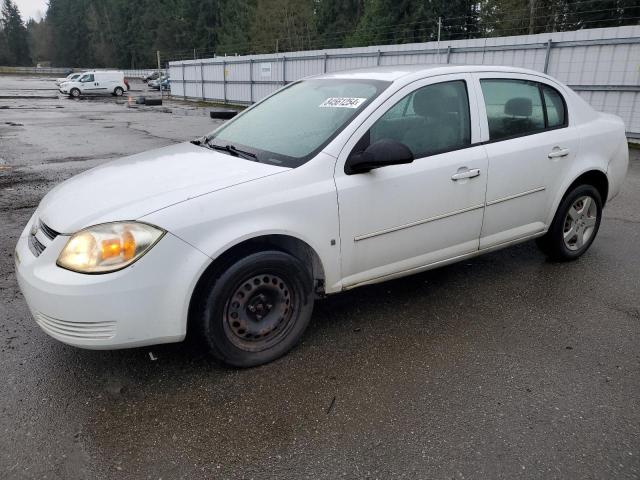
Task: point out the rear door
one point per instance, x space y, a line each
530 146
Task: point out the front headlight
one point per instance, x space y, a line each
108 247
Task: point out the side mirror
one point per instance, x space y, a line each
382 153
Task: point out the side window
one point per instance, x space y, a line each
514 107
87 78
556 110
432 119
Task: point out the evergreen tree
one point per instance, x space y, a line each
282 25
70 33
16 38
126 34
336 20
40 44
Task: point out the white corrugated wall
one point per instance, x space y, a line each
602 64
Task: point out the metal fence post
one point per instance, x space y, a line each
378 58
184 83
202 79
448 53
284 69
159 71
251 80
324 65
546 58
224 81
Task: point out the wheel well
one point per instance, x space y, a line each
596 178
291 245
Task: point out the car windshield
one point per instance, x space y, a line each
293 125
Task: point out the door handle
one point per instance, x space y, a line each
465 174
558 152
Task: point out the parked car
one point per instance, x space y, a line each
333 182
150 76
155 84
96 83
71 77
164 83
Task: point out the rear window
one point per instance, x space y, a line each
556 109
521 107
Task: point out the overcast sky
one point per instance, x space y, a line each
32 8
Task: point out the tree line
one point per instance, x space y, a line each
126 34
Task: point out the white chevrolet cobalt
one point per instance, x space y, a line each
333 182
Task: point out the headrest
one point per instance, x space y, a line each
429 101
518 107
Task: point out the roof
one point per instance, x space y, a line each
396 72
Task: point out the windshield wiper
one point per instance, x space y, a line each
231 149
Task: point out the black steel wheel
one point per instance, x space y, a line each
260 312
257 309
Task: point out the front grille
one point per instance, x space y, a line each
48 231
81 330
35 246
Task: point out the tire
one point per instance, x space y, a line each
575 225
256 310
153 101
75 93
222 114
118 91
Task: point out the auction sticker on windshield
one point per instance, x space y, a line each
343 102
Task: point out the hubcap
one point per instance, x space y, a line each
580 222
259 312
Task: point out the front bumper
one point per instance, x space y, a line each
143 304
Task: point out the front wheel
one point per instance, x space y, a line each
575 224
118 92
256 310
75 93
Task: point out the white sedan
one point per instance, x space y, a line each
70 78
332 182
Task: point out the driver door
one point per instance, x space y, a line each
401 218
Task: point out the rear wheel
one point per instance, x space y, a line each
75 93
256 310
575 225
118 91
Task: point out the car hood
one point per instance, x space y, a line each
131 187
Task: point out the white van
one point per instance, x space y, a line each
96 83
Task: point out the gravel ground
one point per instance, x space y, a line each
503 366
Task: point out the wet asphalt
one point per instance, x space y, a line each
504 366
